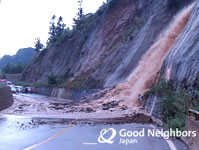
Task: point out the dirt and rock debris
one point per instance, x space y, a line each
119 101
95 111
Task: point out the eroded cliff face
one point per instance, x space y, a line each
182 64
147 71
109 48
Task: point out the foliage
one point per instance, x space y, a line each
129 34
38 45
51 32
79 15
13 69
176 102
106 6
60 27
67 33
39 84
102 9
175 4
55 30
58 33
79 82
23 56
76 84
21 83
52 80
111 3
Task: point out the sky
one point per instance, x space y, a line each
22 21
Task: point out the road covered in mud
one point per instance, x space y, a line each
47 123
33 105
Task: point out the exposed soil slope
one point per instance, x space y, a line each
107 48
146 73
183 60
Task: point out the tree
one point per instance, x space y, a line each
52 31
111 3
13 69
55 30
176 4
79 15
38 45
59 28
52 79
7 68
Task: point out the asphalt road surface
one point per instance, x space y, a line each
18 133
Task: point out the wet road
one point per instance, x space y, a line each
19 133
41 98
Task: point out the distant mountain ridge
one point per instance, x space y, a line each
23 56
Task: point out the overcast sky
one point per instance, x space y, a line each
22 21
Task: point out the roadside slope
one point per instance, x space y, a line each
108 48
146 73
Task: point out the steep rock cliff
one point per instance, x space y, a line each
108 48
180 67
182 63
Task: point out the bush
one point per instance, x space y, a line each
173 3
178 122
112 3
100 12
67 33
176 102
52 80
129 34
60 80
102 8
176 4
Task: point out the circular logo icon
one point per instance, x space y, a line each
109 140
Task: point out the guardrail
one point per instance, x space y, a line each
195 113
192 124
